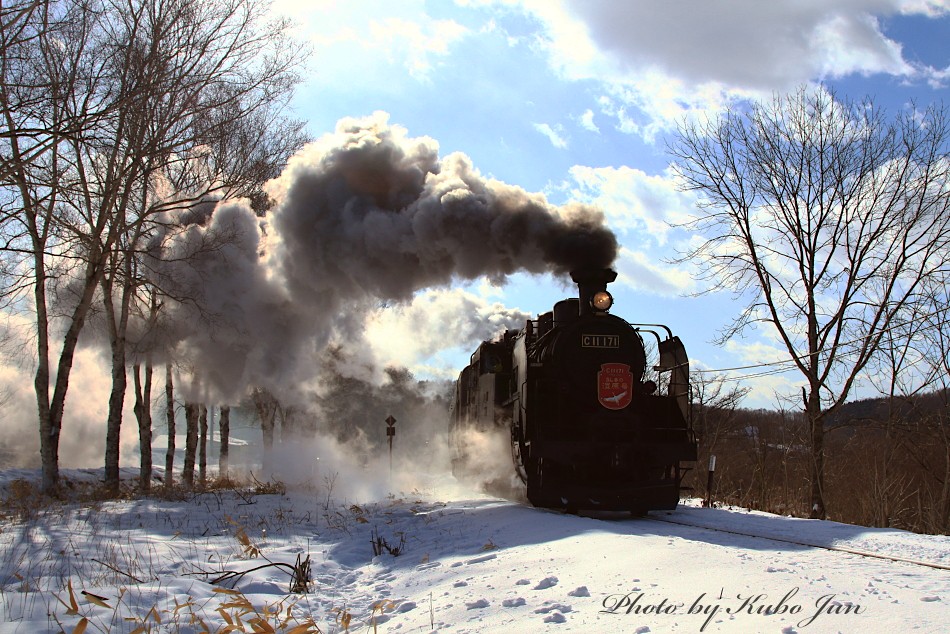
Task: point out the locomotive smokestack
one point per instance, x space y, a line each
589 282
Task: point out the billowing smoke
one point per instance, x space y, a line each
370 235
364 217
370 211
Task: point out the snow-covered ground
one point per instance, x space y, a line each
468 565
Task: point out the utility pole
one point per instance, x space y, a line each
709 481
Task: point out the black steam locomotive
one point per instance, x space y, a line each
589 429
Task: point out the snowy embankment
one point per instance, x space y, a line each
478 565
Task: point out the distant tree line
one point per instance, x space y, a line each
888 462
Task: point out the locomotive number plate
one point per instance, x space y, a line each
600 341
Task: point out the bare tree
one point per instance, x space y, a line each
53 95
143 391
912 484
218 77
826 218
714 406
115 113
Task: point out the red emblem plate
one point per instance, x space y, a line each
614 385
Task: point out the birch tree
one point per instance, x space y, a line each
116 113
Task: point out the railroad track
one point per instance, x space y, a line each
840 549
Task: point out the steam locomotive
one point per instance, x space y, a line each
589 428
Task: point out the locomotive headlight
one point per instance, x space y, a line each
602 301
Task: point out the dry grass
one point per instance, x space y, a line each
237 613
119 588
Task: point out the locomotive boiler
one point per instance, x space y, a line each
589 427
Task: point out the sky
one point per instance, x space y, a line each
503 130
576 100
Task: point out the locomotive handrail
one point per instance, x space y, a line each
652 332
669 333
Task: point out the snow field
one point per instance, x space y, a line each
476 565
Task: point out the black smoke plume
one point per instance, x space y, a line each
369 211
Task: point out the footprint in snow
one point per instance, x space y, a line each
481 559
547 582
427 566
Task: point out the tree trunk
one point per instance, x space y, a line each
143 414
48 439
170 421
51 410
203 445
191 443
224 423
815 419
116 401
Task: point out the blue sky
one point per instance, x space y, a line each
575 99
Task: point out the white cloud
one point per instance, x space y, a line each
554 134
356 36
586 121
636 203
647 274
415 43
744 43
930 8
660 61
757 352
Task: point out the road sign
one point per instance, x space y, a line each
390 432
